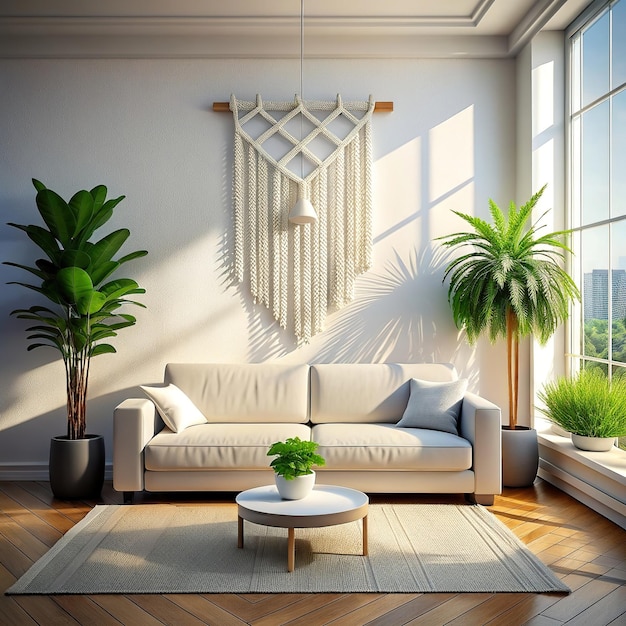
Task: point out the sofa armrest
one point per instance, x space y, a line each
481 425
134 424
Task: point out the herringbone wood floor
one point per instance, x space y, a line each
582 547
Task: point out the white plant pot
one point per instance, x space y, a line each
296 489
593 444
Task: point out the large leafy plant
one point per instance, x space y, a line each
295 457
510 284
84 308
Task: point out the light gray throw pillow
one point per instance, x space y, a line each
435 406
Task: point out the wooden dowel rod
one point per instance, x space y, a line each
383 107
379 107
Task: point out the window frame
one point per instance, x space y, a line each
576 108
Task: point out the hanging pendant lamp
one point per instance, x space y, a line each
302 211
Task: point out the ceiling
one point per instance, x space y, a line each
394 27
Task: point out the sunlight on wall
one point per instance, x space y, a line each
451 172
397 204
451 154
543 170
543 106
547 126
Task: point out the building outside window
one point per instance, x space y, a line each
597 188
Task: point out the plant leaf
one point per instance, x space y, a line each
82 206
57 215
102 348
132 256
75 258
42 238
104 249
74 284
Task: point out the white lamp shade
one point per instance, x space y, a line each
303 212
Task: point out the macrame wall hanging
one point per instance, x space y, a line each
299 271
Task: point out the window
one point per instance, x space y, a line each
597 127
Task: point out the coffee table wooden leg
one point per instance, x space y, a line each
291 549
365 540
240 532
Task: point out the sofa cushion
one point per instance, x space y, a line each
245 393
387 447
434 405
368 392
218 446
176 409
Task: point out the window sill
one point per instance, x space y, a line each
597 479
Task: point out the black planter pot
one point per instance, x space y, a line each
76 467
520 456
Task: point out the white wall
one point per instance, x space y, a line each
144 128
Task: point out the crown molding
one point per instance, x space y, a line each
265 36
221 46
256 37
118 24
533 22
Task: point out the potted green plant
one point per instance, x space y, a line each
589 406
293 465
510 283
83 310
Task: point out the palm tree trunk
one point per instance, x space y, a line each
512 351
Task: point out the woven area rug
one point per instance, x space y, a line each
163 548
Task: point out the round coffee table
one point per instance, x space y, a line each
325 506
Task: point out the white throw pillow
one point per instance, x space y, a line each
176 409
435 406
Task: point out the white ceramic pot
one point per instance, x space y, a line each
297 488
593 444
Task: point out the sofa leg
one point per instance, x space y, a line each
129 497
486 499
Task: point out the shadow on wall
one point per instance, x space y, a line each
394 318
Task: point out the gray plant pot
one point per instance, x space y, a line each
76 467
520 456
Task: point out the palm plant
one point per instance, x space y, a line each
511 283
85 308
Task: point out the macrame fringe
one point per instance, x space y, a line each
299 271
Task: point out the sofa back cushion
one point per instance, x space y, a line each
238 393
368 393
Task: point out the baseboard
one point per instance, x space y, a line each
593 478
17 472
593 498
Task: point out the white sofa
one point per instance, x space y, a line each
351 410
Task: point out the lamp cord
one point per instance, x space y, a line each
301 82
301 45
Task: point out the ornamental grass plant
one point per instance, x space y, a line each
588 404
